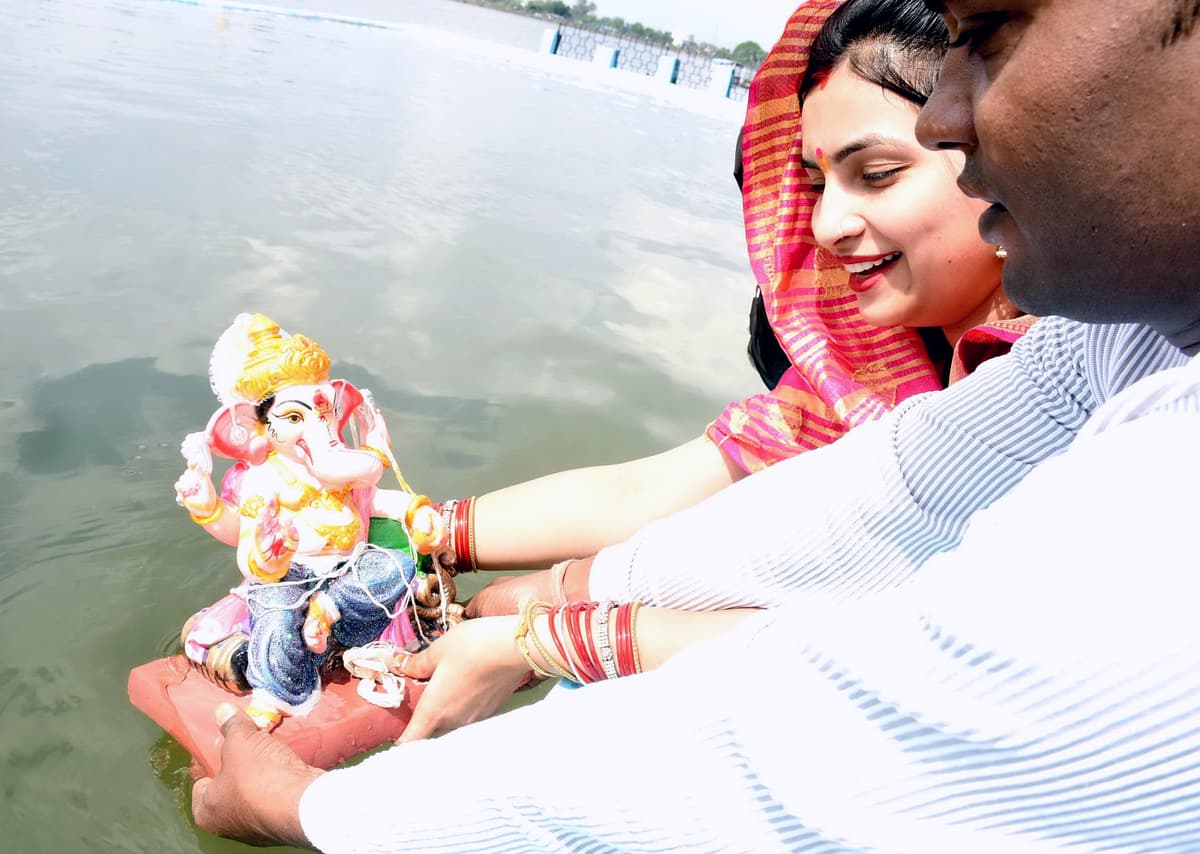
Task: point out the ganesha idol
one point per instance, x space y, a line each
297 505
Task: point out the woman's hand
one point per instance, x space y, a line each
503 596
564 582
472 670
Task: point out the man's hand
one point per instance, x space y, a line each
255 797
503 596
472 670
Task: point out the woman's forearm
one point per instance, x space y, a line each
580 511
662 632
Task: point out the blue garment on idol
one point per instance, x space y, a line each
1030 682
278 661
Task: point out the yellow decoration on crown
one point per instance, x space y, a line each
276 361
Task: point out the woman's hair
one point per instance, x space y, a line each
898 44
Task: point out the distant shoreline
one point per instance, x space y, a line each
522 12
703 48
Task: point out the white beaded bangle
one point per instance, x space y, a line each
607 660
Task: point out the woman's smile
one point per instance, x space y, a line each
864 274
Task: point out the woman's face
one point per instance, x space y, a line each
891 213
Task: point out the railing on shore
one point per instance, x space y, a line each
682 65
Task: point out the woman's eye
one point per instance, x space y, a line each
881 175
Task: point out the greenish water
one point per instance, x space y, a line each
531 270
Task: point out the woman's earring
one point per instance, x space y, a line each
1001 252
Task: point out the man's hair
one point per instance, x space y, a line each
1184 16
897 44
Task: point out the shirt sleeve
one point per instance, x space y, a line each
864 513
1026 692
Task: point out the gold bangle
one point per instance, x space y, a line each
560 671
471 534
637 656
383 458
524 627
216 514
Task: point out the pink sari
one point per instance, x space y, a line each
844 372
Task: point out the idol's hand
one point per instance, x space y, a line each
375 431
428 531
471 669
197 454
276 541
195 491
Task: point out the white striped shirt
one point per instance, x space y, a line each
1036 688
863 513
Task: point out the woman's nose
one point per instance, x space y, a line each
836 218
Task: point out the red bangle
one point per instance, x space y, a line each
571 619
462 535
593 652
623 640
588 666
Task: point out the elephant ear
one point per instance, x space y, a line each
347 399
234 432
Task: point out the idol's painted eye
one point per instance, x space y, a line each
291 416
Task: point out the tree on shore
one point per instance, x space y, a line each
583 13
749 54
554 7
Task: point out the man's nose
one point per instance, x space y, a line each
947 120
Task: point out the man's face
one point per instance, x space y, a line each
1079 120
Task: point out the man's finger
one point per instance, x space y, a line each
233 722
199 802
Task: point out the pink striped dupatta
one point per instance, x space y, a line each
845 372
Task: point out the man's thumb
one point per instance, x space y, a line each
231 721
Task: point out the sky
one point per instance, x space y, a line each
720 22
